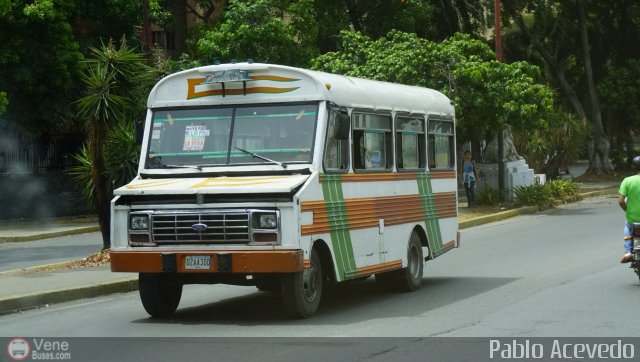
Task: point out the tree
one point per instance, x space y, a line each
552 27
486 93
40 62
94 21
121 154
116 78
620 91
273 31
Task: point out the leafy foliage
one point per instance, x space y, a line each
486 93
40 62
166 66
535 195
271 31
552 147
561 189
3 102
546 195
117 81
121 160
488 196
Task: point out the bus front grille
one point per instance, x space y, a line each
218 227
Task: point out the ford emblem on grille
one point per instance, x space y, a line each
199 227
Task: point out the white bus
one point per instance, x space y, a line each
286 179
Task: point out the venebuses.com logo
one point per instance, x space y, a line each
18 349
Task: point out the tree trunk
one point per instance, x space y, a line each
554 65
97 139
599 144
600 159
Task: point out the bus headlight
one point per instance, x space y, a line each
268 221
265 226
139 222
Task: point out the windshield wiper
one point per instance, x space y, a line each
177 166
262 157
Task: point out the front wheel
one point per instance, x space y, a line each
159 294
301 292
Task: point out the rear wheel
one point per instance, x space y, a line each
302 291
409 278
160 295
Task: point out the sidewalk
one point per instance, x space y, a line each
54 283
15 231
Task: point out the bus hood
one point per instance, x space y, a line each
213 185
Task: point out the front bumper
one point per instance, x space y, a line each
227 261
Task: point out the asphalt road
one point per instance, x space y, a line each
552 274
26 254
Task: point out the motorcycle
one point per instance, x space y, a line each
635 262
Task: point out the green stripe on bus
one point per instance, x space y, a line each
338 224
430 212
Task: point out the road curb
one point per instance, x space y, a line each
601 192
497 216
39 268
52 234
16 303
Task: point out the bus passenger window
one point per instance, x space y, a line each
335 151
410 152
372 142
441 145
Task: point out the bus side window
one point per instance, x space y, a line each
372 142
410 152
441 144
336 157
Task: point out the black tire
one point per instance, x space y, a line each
159 294
301 292
407 279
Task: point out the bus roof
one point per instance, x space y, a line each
242 83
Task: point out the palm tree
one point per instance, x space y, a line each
116 80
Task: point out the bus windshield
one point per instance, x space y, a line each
258 134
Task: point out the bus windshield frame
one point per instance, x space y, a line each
220 136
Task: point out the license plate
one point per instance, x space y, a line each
197 262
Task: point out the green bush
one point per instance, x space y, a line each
535 195
547 195
561 189
488 196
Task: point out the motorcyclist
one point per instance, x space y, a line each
629 201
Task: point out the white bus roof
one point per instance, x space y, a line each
267 83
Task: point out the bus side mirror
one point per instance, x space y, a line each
344 123
139 131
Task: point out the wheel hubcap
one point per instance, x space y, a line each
310 283
414 261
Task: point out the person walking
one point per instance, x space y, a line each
469 178
629 201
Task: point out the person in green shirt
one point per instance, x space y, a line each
629 201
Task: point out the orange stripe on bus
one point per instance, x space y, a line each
242 261
379 268
365 212
390 176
